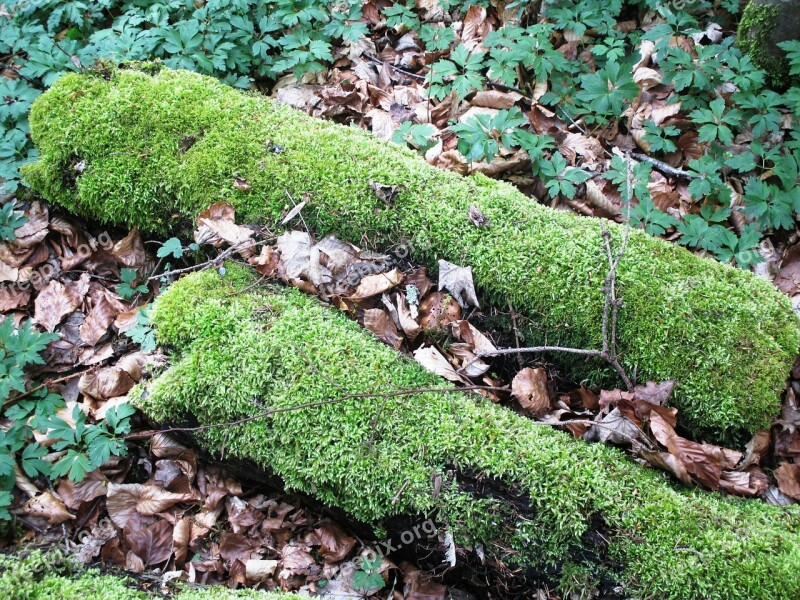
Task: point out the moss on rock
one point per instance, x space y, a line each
49 576
242 352
754 37
170 144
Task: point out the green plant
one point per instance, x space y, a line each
33 408
482 136
142 332
10 221
560 178
416 136
460 74
129 287
367 576
605 92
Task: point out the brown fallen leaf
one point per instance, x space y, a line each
437 310
700 461
216 225
74 494
129 251
529 387
374 285
788 477
380 323
258 570
105 308
233 546
181 536
58 300
433 360
117 380
153 544
335 545
127 502
48 506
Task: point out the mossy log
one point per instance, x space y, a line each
49 576
240 351
153 149
764 24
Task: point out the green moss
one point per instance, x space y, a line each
753 37
727 337
243 353
49 576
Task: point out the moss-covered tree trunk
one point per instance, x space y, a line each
764 24
162 144
552 503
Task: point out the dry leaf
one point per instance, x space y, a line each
433 360
48 506
126 503
458 281
380 323
335 545
129 251
788 477
258 570
153 544
58 300
373 285
529 387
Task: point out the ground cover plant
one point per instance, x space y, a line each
643 112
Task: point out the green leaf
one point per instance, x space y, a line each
172 247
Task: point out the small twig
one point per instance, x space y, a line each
520 360
150 433
399 493
49 382
209 263
664 167
300 214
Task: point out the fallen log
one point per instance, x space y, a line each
152 148
40 575
274 377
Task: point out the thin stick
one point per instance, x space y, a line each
664 167
209 263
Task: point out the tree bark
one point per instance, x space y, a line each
764 24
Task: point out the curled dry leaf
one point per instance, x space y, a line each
153 544
127 502
114 381
164 446
788 477
48 506
458 281
373 285
433 360
529 387
258 570
129 251
74 494
335 545
181 536
380 323
216 225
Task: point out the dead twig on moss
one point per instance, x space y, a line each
611 304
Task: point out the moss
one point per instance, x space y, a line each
49 576
753 38
727 337
243 353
